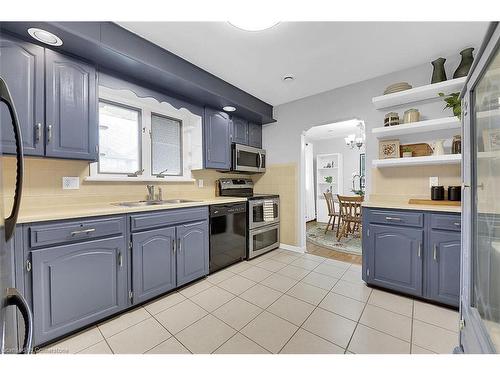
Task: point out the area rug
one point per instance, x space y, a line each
316 234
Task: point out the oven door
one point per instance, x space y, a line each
248 159
262 240
256 213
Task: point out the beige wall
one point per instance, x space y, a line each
412 182
282 179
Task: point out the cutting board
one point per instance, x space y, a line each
418 149
430 202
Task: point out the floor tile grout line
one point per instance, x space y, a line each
171 337
357 324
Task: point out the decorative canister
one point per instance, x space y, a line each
438 72
411 115
456 145
391 119
437 193
465 63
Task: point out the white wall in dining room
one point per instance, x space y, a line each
350 159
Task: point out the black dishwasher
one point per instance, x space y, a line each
228 234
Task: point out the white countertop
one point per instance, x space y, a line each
45 213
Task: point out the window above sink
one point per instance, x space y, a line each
144 140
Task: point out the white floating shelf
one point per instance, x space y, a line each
418 160
419 93
446 123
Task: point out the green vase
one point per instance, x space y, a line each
465 63
438 74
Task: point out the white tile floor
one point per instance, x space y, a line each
282 302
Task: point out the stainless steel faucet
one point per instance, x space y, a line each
151 192
159 196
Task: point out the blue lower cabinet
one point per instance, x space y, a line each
77 284
412 252
153 263
443 259
396 258
192 251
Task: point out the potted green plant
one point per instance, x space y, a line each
329 179
453 102
407 152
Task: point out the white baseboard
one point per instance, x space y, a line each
297 249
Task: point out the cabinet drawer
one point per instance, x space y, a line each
446 222
413 219
74 231
167 218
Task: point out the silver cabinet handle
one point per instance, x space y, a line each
179 248
419 252
120 259
83 231
173 246
434 252
49 133
457 224
38 132
390 218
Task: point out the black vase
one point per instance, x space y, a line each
438 74
465 64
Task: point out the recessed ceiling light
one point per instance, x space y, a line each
45 37
229 108
253 24
288 78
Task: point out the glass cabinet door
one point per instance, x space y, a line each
485 194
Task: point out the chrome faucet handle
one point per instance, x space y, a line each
151 192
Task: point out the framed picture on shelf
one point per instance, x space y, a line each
491 139
388 149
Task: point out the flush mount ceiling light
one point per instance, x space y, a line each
45 37
229 108
288 78
253 24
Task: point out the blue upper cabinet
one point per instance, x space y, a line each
71 108
396 258
22 67
444 266
254 135
217 133
240 131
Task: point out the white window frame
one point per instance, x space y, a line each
148 107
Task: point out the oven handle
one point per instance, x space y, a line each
264 229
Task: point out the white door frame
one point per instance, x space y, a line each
302 193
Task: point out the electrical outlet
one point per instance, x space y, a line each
200 183
433 181
70 183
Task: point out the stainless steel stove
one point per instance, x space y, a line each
263 218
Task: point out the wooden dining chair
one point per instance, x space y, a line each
350 214
332 214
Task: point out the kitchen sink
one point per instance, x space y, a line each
154 203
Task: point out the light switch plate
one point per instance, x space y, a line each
70 183
200 183
433 181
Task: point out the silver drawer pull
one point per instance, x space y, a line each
390 218
120 259
434 252
456 224
83 231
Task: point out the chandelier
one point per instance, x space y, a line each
356 140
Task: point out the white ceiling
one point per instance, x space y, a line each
321 55
335 130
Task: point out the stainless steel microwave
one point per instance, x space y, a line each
248 159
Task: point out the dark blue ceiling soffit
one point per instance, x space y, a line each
118 51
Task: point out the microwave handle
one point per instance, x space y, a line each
10 222
260 160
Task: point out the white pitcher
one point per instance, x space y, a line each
438 147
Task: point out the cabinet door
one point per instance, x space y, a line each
75 285
254 135
192 251
21 66
395 258
153 263
240 131
217 138
444 267
71 108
